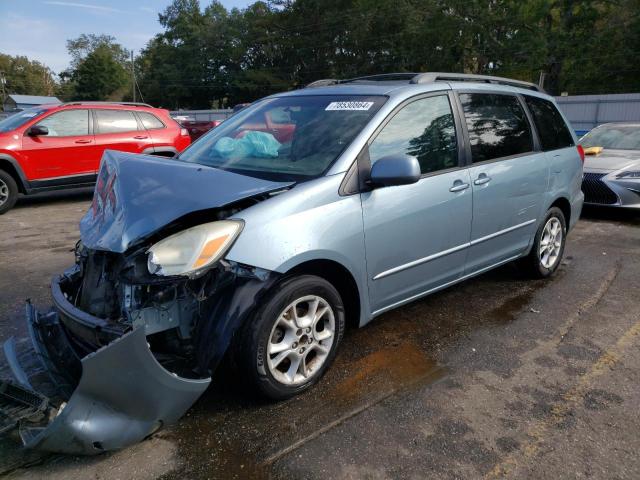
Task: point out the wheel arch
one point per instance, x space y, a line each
341 278
565 206
11 166
164 151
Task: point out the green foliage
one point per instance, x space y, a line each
80 48
26 77
99 76
215 57
99 69
208 56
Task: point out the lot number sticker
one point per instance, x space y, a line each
349 106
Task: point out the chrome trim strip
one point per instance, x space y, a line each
62 177
501 232
443 253
420 261
440 287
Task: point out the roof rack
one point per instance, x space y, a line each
468 77
420 78
131 104
324 82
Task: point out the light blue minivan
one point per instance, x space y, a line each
305 212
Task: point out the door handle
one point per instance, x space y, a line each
482 179
459 186
140 137
83 141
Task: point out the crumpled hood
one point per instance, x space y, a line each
611 160
136 195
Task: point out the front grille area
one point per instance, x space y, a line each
596 191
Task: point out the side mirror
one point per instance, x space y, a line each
38 130
395 170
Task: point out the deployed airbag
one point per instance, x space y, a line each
252 144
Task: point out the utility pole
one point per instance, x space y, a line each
3 82
133 78
541 79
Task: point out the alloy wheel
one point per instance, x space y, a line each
4 192
550 243
300 340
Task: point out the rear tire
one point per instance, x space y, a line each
290 342
548 245
8 192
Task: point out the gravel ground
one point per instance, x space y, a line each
499 377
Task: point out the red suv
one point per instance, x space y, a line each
60 146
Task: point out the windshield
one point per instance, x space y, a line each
18 119
292 138
621 137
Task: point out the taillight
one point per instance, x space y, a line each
581 152
185 133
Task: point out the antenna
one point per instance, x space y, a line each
133 78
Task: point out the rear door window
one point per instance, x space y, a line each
67 123
150 121
424 129
497 126
115 121
552 129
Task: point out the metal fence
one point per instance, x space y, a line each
203 115
588 111
583 111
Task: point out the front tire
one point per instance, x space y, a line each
8 192
548 245
290 342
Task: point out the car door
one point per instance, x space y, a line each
65 151
509 177
416 235
119 130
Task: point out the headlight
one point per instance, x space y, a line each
192 250
629 174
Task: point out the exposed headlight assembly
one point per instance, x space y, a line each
192 251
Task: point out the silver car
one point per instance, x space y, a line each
612 165
303 213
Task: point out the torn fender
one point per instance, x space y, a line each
123 396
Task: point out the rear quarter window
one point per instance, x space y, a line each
150 121
552 129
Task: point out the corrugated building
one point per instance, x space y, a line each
22 102
588 111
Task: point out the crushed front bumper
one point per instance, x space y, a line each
114 396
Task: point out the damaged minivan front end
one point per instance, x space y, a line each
138 326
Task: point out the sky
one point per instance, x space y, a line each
39 29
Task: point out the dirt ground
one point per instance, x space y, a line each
499 377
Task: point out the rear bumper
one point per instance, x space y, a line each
121 396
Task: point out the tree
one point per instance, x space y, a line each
99 76
27 77
218 57
79 48
174 64
98 71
